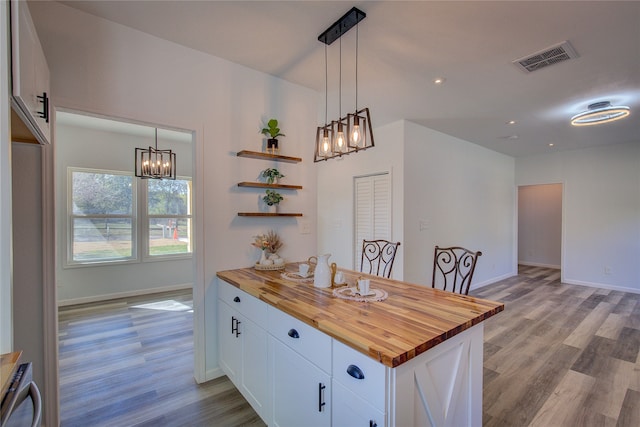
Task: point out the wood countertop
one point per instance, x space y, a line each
410 321
8 366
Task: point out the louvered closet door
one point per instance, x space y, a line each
372 211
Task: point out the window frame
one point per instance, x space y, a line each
71 216
139 222
144 222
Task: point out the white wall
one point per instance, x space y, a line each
601 211
28 274
540 225
462 192
457 194
335 195
100 149
105 68
6 314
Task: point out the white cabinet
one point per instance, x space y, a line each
243 345
359 388
300 373
30 73
294 375
301 391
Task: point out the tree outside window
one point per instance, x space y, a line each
102 220
169 215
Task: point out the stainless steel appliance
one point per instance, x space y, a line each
21 387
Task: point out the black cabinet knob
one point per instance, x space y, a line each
293 333
355 372
236 299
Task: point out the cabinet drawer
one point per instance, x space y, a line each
249 306
349 410
373 384
310 343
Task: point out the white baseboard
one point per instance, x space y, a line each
602 286
106 297
537 264
492 280
212 374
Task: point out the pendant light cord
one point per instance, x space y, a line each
340 85
326 91
357 43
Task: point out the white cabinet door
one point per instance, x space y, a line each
301 391
229 342
255 367
30 73
352 411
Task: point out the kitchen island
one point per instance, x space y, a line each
299 354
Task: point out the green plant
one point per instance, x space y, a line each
272 129
272 198
271 174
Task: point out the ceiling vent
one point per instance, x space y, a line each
549 56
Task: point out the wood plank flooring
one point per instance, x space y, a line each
123 364
559 355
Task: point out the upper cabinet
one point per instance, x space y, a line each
30 76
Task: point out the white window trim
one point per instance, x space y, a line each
144 224
70 216
139 223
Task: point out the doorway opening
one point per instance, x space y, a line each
125 257
540 225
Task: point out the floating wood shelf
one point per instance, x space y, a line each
265 185
267 214
268 156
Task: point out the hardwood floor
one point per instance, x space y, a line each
126 364
559 355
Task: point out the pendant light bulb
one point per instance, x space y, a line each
340 141
355 132
326 143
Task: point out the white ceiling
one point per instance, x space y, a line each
403 46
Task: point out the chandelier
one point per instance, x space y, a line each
155 164
351 133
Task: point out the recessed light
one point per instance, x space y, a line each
511 122
439 80
551 144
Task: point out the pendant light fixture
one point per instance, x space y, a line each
600 112
155 164
353 132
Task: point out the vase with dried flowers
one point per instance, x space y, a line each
268 243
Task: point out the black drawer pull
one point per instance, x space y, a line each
236 299
373 423
44 114
321 401
355 372
293 333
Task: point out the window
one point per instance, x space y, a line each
104 227
102 216
169 217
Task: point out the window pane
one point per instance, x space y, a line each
101 239
169 236
101 193
168 197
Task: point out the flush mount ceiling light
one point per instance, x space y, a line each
600 112
353 132
155 164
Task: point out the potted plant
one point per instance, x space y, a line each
272 175
273 131
272 198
